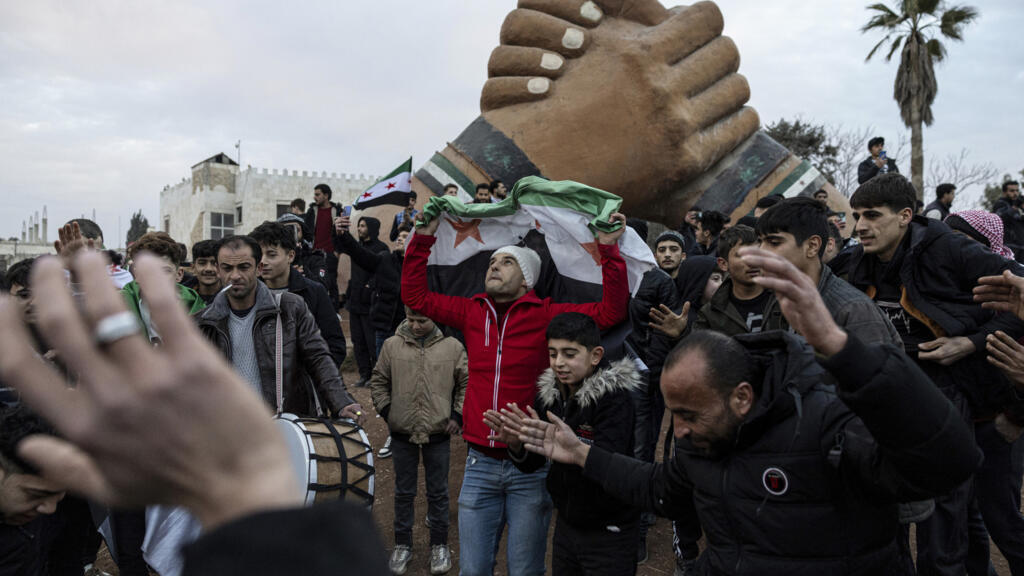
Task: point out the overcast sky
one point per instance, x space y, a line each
102 103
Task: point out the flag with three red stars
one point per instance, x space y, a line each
395 188
558 220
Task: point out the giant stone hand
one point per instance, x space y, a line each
626 96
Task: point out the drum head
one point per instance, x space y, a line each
298 452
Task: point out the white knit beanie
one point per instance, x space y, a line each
528 260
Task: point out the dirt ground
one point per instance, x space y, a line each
659 540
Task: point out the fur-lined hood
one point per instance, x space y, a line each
620 375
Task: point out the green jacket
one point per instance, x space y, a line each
189 297
720 315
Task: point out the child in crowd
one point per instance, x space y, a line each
418 386
595 533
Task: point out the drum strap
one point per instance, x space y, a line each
279 357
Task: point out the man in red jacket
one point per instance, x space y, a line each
504 330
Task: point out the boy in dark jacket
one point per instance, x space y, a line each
595 533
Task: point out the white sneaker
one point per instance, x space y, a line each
440 559
385 452
400 557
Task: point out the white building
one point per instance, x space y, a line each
221 199
34 242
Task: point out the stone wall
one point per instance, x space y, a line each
185 207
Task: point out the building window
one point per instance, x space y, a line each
238 214
283 209
221 225
167 224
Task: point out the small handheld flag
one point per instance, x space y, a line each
395 188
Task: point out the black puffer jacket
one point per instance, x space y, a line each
319 304
306 356
812 482
386 308
601 414
360 284
651 346
938 271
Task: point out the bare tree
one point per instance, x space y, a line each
852 145
958 171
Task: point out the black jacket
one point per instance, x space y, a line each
651 346
319 304
868 169
851 309
328 539
601 414
310 218
359 296
812 483
941 208
386 308
938 272
25 549
1004 206
306 357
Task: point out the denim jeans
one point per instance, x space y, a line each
494 492
436 461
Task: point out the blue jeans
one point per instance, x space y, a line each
494 492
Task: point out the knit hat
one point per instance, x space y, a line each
528 260
985 227
673 236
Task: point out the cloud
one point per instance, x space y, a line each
106 102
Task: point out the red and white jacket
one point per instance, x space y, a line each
506 357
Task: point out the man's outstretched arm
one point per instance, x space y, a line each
447 310
662 488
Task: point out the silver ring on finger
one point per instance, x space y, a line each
115 327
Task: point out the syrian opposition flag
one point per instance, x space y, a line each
556 219
394 188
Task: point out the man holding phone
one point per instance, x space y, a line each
878 163
320 220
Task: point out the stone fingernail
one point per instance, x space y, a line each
550 61
573 38
591 11
538 85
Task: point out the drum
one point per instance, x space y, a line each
332 458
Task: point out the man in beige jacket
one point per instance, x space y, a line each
418 387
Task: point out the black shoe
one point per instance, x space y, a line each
641 552
362 383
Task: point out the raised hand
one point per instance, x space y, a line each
554 440
70 242
798 298
506 425
664 320
634 83
1001 293
169 425
613 236
1006 354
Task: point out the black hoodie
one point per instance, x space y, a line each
360 283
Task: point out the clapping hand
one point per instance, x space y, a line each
554 440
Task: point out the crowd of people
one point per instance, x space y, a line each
826 390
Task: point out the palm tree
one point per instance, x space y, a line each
917 26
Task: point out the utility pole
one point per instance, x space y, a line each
238 149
